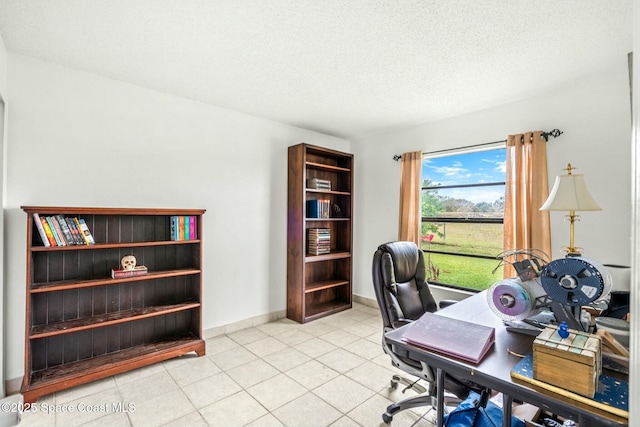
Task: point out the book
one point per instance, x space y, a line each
452 337
319 241
318 208
65 230
75 232
180 228
192 227
59 242
187 230
173 227
43 234
319 184
138 270
61 235
88 237
611 397
48 232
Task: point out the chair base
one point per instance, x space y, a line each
413 385
411 402
426 398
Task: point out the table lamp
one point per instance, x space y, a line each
569 193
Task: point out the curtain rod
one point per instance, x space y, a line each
554 133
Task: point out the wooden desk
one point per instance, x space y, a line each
494 371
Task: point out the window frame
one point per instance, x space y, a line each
474 220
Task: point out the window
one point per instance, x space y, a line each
462 216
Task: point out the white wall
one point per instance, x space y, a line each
594 114
76 139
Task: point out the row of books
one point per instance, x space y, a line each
319 241
184 227
318 208
58 230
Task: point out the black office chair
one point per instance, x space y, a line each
403 294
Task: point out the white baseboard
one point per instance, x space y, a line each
243 324
369 302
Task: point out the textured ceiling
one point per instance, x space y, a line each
343 67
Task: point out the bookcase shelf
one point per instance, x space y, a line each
59 377
107 319
83 325
324 284
313 190
101 246
329 256
328 167
319 285
73 284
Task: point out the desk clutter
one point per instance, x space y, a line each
611 399
570 368
572 360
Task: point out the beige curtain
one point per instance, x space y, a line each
527 188
410 187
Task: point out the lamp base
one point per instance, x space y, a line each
572 252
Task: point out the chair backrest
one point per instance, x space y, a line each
399 281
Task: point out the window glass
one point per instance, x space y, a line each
462 216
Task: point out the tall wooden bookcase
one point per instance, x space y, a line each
319 285
82 325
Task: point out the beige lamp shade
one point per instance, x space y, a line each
569 193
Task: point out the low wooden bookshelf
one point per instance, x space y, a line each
82 325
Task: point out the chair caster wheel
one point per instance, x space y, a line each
393 384
387 418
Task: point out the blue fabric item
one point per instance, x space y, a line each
469 413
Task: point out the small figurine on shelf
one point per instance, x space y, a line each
128 262
129 268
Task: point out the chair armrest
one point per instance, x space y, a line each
446 303
401 322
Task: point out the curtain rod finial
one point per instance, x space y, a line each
397 157
554 133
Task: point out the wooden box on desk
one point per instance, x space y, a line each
573 363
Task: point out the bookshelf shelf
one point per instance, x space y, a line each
73 284
326 257
82 325
313 190
102 246
320 310
325 284
107 319
318 285
324 166
55 378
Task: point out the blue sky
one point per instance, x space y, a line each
468 168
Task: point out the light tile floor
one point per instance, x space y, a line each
329 372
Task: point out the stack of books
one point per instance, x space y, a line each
319 184
319 241
184 227
318 208
58 230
